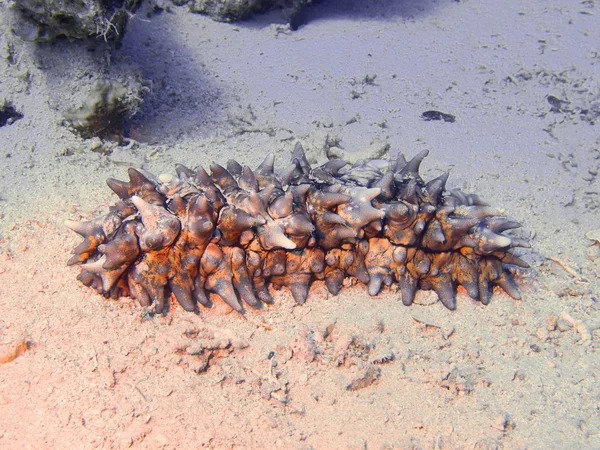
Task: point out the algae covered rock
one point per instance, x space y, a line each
106 109
44 20
8 113
232 10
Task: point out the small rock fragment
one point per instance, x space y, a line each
11 352
369 376
303 348
504 423
438 115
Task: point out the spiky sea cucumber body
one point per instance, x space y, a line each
236 231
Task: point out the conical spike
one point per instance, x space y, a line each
89 279
518 242
457 198
466 273
203 178
273 237
491 269
331 218
490 241
409 192
244 288
299 157
183 294
224 289
183 170
159 298
299 224
411 169
434 235
178 205
408 288
257 201
267 166
248 180
500 224
234 167
282 206
399 163
375 283
200 293
435 188
471 287
286 174
480 212
300 192
446 291
223 178
138 292
161 228
266 194
342 233
328 200
244 221
126 189
109 277
299 289
261 289
241 278
334 282
485 291
462 226
506 282
200 206
123 249
84 229
509 258
78 258
333 166
370 194
369 214
386 184
476 200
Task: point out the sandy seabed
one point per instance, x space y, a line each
346 371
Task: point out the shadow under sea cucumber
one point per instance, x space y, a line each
235 232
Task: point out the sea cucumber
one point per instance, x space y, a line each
236 232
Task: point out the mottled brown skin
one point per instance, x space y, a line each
347 261
94 233
236 232
383 261
138 185
300 269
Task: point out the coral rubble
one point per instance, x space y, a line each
106 109
44 20
233 10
